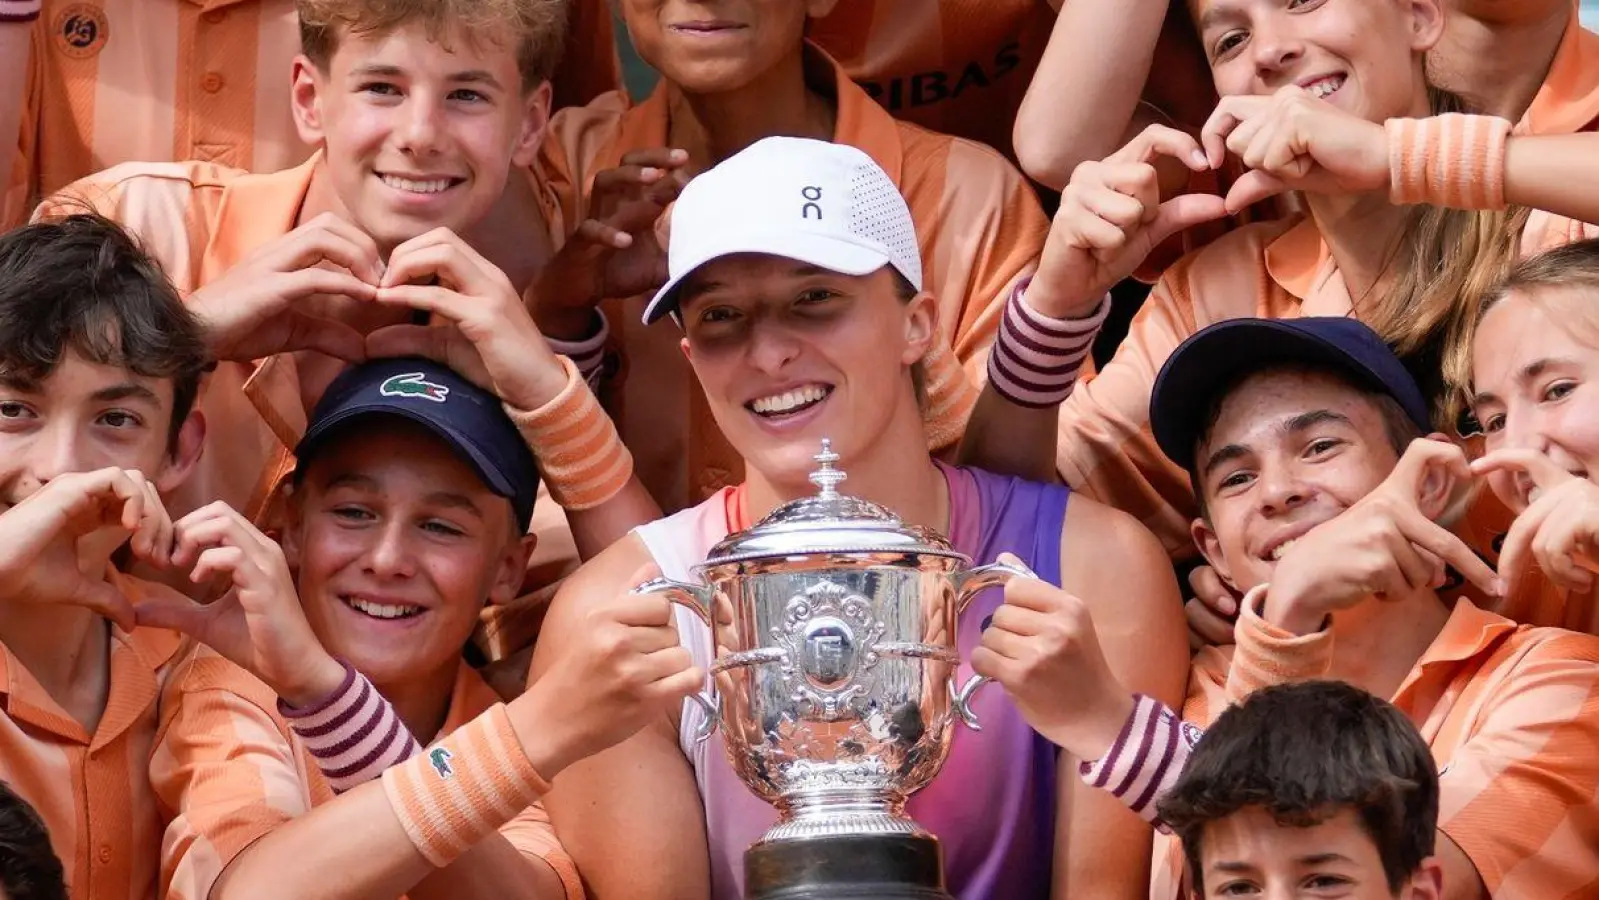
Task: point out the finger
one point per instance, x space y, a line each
1113 206
327 336
665 663
1206 628
441 258
307 282
1213 592
155 527
658 157
429 341
1184 212
106 600
172 611
1540 468
1556 547
1161 140
595 232
1419 529
218 560
329 238
435 299
647 610
1414 565
1015 619
1253 187
1015 647
1230 112
1098 235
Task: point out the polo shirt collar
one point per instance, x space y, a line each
1469 633
1298 259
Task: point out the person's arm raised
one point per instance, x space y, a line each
484 331
630 816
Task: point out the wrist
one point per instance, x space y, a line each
540 732
1050 296
321 679
1291 610
1096 734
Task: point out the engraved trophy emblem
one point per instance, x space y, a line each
835 623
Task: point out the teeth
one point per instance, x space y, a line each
434 186
1278 551
1322 88
382 611
789 401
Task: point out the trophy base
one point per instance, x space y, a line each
891 867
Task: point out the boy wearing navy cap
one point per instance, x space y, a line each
1320 503
408 512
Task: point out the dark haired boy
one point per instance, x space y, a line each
1309 790
100 364
29 869
1321 508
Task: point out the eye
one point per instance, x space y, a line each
442 528
1494 423
119 418
1235 479
716 314
349 513
1237 889
815 296
1326 882
468 95
381 88
1322 446
1557 390
11 409
1227 43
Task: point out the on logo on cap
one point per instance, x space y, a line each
813 197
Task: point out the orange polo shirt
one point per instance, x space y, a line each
110 798
956 66
1511 713
979 225
114 81
297 788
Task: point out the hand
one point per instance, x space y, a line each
257 308
616 251
1559 528
258 624
1042 648
1383 546
1212 612
486 334
1292 141
41 539
1111 217
623 669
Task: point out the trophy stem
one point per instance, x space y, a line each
832 811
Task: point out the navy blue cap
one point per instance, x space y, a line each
1214 358
471 420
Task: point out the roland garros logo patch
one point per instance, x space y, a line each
412 384
81 30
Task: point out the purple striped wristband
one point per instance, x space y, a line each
353 733
20 10
1148 756
587 354
1036 358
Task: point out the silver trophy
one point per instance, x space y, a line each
834 624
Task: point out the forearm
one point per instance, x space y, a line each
491 870
1557 173
595 529
1010 439
1099 49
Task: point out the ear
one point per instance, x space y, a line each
688 352
291 539
1439 487
1210 548
816 9
306 89
1428 881
535 116
1427 24
185 454
511 570
921 328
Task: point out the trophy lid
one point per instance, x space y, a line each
830 522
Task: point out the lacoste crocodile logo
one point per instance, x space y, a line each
440 758
412 384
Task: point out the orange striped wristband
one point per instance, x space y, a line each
463 788
1453 160
579 452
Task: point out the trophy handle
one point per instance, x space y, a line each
695 598
969 584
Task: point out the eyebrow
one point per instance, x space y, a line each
1302 422
126 391
470 76
1223 455
1318 859
1528 373
693 288
446 499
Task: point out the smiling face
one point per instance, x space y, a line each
1288 451
1250 854
788 354
1363 56
398 544
419 134
708 47
1535 364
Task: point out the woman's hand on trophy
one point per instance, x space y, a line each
1041 647
624 668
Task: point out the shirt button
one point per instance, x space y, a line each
213 16
105 853
212 82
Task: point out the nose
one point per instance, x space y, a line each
1281 490
389 556
418 132
1276 50
1525 429
55 452
772 347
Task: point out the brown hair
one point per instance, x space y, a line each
1574 265
1447 259
537 27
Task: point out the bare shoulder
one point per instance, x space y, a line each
1111 560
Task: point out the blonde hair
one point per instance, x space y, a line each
1448 259
536 28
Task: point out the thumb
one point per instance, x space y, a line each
328 336
171 610
404 340
1253 187
107 601
1184 212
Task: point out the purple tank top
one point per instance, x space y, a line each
993 804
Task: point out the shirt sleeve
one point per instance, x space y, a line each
1519 796
223 767
1267 655
532 834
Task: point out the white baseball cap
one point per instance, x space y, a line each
825 204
